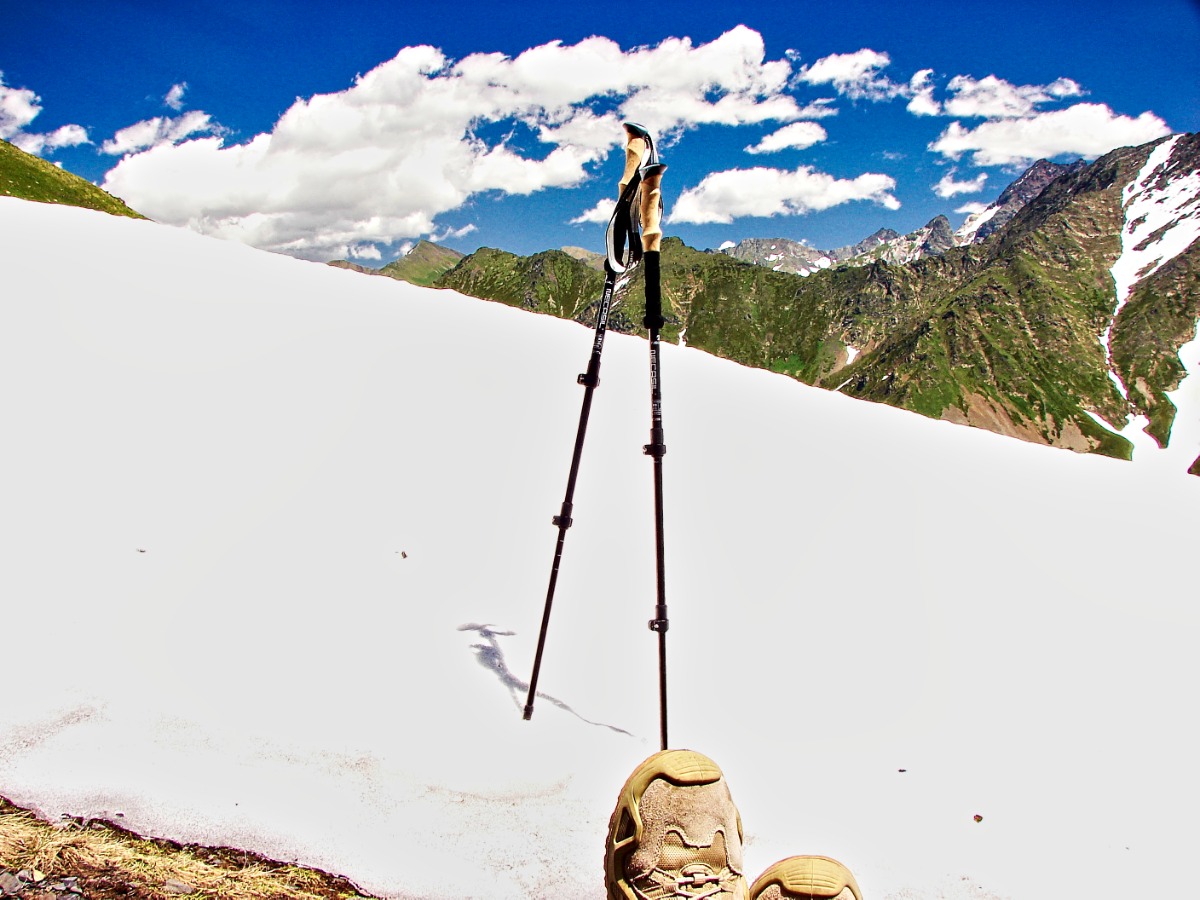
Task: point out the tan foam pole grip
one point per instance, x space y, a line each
652 208
634 150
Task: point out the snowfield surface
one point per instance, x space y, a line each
276 539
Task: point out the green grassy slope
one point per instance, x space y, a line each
550 282
32 178
424 264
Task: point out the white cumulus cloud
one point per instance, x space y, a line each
174 97
948 187
817 109
449 234
18 108
66 136
1085 129
724 196
995 98
920 86
796 136
159 130
597 215
857 75
379 161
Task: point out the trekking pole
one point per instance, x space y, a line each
623 246
651 214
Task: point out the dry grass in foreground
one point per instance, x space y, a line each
101 861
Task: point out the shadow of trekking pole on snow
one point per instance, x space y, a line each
491 657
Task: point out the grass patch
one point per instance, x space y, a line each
106 861
32 178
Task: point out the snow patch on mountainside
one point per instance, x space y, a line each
1161 221
970 228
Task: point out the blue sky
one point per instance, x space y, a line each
324 130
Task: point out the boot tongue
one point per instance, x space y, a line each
678 855
700 869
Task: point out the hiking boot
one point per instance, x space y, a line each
675 833
806 878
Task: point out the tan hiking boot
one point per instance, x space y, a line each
806 878
675 833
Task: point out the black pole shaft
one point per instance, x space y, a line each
590 381
657 449
660 622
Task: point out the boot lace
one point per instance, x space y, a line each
691 883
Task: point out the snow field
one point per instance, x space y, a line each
330 476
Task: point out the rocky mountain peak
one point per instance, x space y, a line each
939 237
1012 199
1033 181
866 245
780 254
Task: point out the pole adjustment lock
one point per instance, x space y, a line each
591 378
563 519
659 625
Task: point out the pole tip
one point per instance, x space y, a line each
528 712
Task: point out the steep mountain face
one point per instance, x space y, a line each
1013 347
422 265
1158 319
1056 330
551 282
1022 345
982 225
33 178
1157 279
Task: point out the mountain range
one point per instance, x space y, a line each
1012 323
934 239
